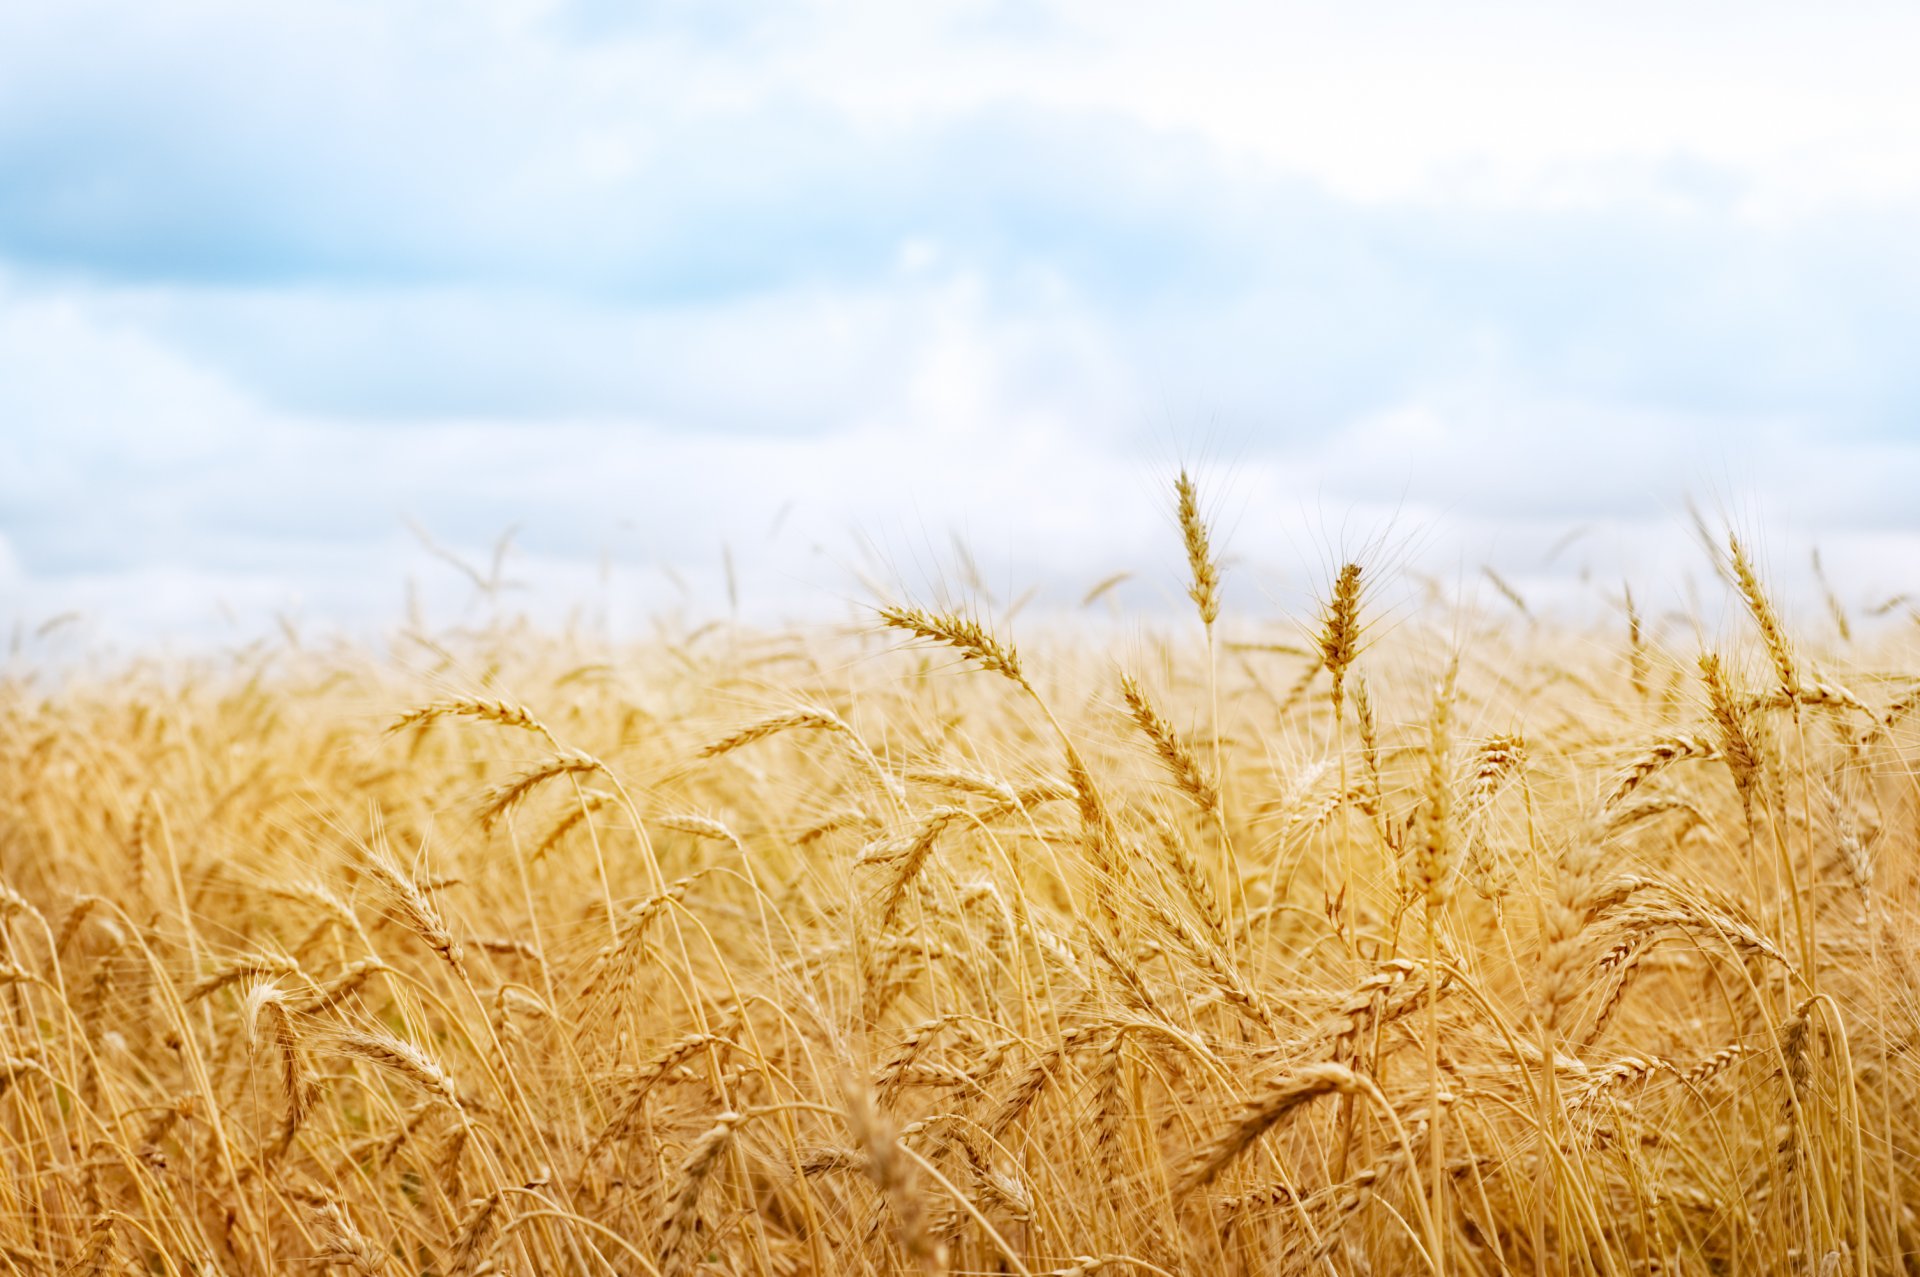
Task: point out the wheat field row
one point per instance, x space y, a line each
1351 943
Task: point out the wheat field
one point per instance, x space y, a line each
1371 941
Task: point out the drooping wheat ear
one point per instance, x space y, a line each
617 961
811 717
634 1087
1277 649
1738 746
833 822
1359 1008
344 1246
137 843
316 895
1007 1192
343 986
1340 630
961 633
1210 955
1829 696
97 1252
14 1067
804 719
452 1148
502 799
1636 648
1887 605
397 1055
507 947
1202 568
504 713
1619 1073
1088 1265
93 998
1258 1116
415 906
75 919
591 800
828 1160
894 1074
964 780
1433 863
1658 756
1768 621
470 1241
1704 922
1506 591
683 1206
1033 1080
695 825
1345 1199
1102 587
1796 1069
893 1173
1627 964
270 1025
909 856
1188 776
1706 1070
1625 818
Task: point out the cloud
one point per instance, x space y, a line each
1290 308
801 243
638 277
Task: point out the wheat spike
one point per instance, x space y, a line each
961 633
1259 1115
1202 567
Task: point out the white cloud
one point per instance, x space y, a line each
1495 100
270 510
273 280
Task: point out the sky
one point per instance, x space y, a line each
295 297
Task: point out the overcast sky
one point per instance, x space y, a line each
834 282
